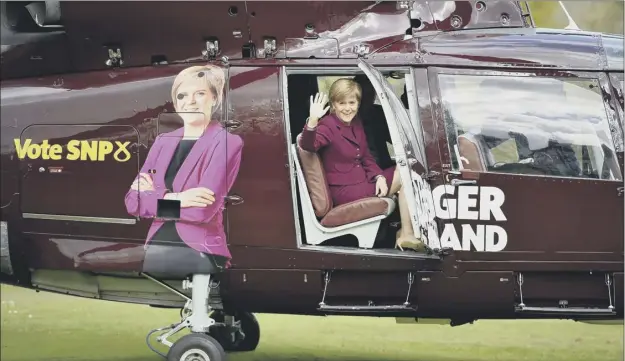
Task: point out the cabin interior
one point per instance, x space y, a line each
370 224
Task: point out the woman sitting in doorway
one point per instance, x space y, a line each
351 171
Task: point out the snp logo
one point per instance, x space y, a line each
95 150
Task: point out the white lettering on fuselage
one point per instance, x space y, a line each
466 202
426 212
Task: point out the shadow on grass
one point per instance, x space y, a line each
254 356
267 357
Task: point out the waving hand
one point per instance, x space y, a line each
317 108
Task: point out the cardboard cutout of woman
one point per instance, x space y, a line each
192 167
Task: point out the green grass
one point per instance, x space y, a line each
591 15
46 327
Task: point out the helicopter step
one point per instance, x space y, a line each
568 311
389 310
598 303
371 307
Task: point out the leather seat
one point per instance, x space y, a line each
471 149
319 192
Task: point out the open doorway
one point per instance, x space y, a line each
352 228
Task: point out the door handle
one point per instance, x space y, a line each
234 200
458 182
451 174
619 191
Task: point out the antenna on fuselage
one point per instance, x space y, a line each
571 25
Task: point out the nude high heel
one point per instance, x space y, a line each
409 242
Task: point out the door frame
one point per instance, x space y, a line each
320 70
616 86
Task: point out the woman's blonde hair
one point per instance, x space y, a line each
214 77
342 88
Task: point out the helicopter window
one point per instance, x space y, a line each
529 125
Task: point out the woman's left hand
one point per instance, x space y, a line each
380 187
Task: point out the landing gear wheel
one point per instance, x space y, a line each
196 347
244 340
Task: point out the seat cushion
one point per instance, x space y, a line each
358 210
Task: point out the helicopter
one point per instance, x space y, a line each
508 139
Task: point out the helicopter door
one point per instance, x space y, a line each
73 179
409 156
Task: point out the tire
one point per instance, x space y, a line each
204 346
249 326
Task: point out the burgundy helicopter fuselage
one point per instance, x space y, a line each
59 88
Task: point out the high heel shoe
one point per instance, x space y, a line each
410 243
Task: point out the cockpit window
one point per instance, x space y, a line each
529 125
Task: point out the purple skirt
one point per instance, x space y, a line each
342 194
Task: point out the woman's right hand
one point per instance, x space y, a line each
194 197
143 183
317 109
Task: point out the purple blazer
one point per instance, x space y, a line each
341 153
205 166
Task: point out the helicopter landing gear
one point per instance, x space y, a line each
196 347
199 345
239 332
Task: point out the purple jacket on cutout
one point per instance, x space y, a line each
205 166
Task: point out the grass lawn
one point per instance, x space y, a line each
50 327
